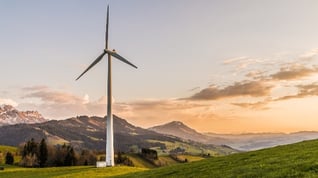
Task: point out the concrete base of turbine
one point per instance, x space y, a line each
110 142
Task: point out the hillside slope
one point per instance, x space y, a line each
295 160
243 142
179 129
89 133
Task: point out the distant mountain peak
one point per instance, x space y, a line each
178 129
5 107
177 123
174 125
9 115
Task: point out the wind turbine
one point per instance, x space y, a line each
109 119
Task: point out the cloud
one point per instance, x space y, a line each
166 104
242 62
35 88
49 96
303 91
309 55
310 89
238 89
234 60
86 99
56 104
255 74
154 111
7 101
204 103
293 72
194 89
261 105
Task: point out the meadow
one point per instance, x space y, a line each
14 150
63 172
295 160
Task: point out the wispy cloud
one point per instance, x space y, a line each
238 89
60 104
258 83
194 89
261 105
153 111
262 77
8 101
242 62
35 88
309 55
234 60
255 74
49 96
293 72
167 104
303 91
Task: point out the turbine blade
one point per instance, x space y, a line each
94 63
116 55
107 24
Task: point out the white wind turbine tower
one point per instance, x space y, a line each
109 119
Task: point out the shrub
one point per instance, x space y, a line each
9 158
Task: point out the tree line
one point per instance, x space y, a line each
41 154
36 154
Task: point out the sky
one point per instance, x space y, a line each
217 65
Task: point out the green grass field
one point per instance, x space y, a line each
63 172
189 148
296 160
4 149
139 162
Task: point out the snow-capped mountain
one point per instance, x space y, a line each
10 115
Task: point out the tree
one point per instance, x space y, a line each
87 157
149 153
9 158
70 158
1 157
43 153
30 154
121 159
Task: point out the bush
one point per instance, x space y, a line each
1 157
124 160
149 154
9 158
87 158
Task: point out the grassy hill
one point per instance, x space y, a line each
296 160
4 149
62 172
89 133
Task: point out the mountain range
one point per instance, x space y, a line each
16 127
243 142
85 132
10 115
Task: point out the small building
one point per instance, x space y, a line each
100 164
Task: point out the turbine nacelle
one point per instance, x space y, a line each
116 55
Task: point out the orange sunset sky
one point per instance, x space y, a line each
218 66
